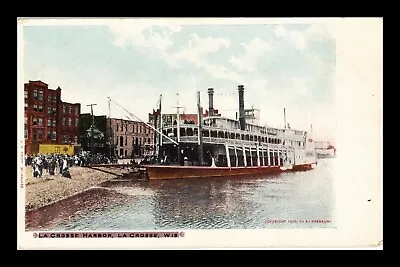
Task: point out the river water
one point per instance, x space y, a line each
288 200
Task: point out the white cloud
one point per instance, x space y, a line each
194 53
253 50
301 38
140 34
280 31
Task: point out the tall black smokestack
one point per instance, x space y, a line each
210 101
242 119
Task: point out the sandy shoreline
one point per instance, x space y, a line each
49 189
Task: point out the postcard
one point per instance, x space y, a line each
199 133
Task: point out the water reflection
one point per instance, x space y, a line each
226 203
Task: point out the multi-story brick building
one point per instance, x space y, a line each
131 138
48 120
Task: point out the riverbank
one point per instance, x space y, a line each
49 189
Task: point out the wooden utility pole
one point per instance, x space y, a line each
92 129
200 134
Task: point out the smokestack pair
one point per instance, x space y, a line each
242 119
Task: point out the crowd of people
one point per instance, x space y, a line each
53 163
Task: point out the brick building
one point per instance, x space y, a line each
48 120
131 138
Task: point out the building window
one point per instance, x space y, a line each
35 107
26 94
54 110
121 141
40 135
126 127
34 135
35 93
76 122
26 133
54 123
49 98
49 122
34 121
26 105
63 108
54 135
69 121
55 99
148 141
26 120
40 122
117 127
64 121
41 95
48 135
76 111
126 140
48 110
63 138
69 109
40 108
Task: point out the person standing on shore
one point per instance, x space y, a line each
52 165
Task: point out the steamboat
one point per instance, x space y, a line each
218 146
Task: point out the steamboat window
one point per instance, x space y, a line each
205 133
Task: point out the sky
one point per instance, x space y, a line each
134 61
